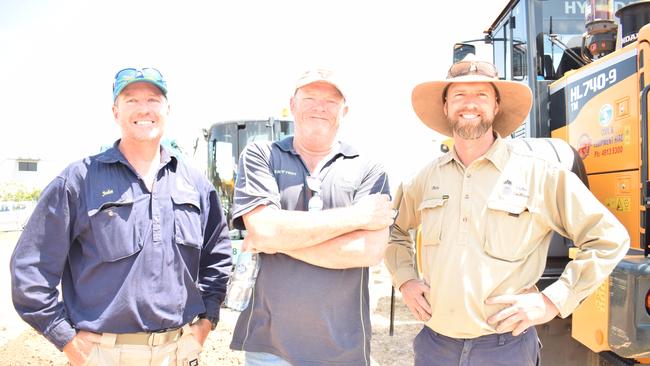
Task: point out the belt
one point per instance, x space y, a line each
149 339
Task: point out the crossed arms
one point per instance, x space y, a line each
354 236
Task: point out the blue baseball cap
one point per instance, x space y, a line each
127 76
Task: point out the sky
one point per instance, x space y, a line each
224 60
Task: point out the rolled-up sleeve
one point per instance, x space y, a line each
400 254
216 260
601 239
38 262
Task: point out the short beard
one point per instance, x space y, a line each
468 131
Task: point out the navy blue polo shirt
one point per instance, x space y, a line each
305 314
128 260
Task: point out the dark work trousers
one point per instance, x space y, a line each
434 349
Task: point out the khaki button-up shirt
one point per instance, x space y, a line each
486 230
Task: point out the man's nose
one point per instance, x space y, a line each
145 107
470 103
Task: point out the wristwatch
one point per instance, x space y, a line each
213 320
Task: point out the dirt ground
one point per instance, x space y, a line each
20 345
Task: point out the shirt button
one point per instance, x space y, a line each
464 219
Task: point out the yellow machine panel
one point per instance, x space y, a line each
590 320
602 113
619 191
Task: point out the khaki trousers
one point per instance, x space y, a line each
181 352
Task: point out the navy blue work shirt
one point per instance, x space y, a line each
128 260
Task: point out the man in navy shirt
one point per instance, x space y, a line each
136 238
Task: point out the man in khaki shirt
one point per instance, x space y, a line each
487 214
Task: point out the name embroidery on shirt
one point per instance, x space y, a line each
107 192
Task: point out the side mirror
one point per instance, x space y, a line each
463 49
446 145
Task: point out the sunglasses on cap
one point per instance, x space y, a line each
463 68
480 68
130 75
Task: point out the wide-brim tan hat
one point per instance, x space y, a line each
515 99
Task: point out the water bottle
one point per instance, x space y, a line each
242 281
315 202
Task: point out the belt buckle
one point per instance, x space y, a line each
161 337
156 339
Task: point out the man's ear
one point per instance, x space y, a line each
344 111
292 103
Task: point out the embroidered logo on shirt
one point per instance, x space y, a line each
507 189
282 171
107 192
435 188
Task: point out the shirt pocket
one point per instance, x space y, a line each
188 230
431 215
510 231
116 228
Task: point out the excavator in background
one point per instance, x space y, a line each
588 65
226 140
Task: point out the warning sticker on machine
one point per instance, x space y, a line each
621 204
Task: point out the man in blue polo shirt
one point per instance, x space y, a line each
319 214
136 238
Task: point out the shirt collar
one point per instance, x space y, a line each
346 150
448 157
114 155
497 153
